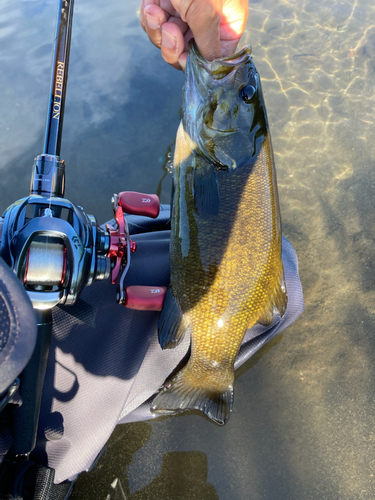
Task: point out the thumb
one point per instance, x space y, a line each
203 18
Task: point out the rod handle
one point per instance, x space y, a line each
25 418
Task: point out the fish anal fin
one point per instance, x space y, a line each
177 396
171 325
277 303
206 189
266 317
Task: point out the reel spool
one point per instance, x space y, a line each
46 264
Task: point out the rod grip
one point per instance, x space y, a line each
25 418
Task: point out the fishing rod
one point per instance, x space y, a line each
56 249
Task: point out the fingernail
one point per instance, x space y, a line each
168 40
152 22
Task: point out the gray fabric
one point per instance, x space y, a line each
105 362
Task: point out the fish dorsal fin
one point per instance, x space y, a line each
178 395
171 326
206 189
277 303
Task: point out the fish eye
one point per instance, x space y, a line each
247 93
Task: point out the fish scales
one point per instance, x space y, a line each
251 257
226 267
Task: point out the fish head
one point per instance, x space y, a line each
224 116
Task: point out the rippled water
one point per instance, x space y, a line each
303 419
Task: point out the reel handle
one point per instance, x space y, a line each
139 203
145 298
141 298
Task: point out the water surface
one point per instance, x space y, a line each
303 419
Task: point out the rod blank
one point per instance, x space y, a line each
59 78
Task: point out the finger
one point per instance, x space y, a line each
180 23
166 5
142 14
177 66
203 19
232 24
182 60
228 47
155 17
173 43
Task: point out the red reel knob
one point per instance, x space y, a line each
140 203
145 298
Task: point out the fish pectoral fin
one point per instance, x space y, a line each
276 304
206 189
177 396
171 325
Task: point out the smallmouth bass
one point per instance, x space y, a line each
225 251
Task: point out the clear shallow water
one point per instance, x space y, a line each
302 425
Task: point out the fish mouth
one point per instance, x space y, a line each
221 67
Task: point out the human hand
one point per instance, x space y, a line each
216 25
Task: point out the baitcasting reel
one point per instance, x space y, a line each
56 249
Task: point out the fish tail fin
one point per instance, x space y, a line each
177 396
